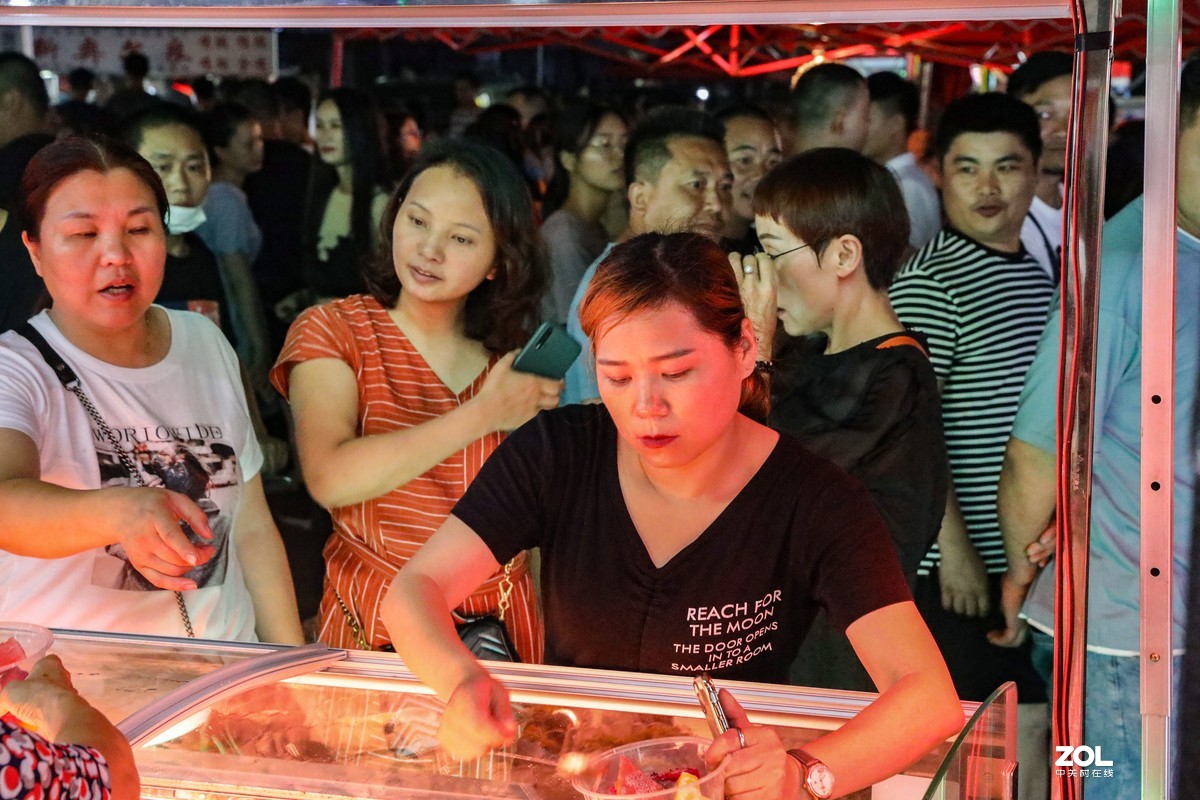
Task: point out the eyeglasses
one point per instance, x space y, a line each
778 256
605 143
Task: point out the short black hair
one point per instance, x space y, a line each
1038 69
1189 92
256 95
895 95
529 90
293 94
744 111
648 148
992 112
204 88
160 114
136 65
822 91
219 125
18 71
81 79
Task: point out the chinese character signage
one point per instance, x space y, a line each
173 52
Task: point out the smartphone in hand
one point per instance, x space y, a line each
548 353
706 693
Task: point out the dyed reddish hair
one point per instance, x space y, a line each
654 269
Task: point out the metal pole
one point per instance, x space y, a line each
337 60
1083 214
1158 392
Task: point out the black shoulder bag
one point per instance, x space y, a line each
485 635
71 383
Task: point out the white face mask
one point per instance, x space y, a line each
184 219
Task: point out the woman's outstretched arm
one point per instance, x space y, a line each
416 611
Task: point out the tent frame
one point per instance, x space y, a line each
1093 28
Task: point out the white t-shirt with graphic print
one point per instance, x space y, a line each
185 424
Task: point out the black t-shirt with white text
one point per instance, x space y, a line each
736 602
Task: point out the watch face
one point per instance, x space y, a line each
820 780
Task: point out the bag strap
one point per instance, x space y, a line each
901 340
356 630
506 588
64 373
1054 255
71 383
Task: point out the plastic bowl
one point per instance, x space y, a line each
655 755
34 640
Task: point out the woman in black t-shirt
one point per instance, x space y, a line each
679 535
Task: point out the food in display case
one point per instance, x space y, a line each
659 769
11 653
393 736
236 721
551 732
21 646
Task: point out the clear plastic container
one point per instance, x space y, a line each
656 756
34 640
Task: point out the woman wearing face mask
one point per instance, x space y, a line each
591 148
158 473
400 395
168 136
345 199
195 279
672 504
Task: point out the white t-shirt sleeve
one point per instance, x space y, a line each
23 399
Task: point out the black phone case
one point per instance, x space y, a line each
549 353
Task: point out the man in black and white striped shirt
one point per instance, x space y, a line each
981 300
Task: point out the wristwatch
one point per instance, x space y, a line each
818 778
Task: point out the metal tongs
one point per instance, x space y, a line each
574 764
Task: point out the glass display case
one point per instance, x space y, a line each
219 720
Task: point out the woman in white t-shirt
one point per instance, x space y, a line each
156 487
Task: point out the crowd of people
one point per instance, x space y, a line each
818 367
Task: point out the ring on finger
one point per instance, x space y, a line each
748 269
741 738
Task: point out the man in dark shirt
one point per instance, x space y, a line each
23 108
77 114
276 196
23 290
134 97
24 104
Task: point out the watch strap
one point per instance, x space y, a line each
807 761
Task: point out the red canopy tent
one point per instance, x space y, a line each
746 51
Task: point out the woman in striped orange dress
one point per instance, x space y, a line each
400 395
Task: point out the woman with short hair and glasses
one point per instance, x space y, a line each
852 383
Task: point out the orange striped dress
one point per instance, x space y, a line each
373 539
